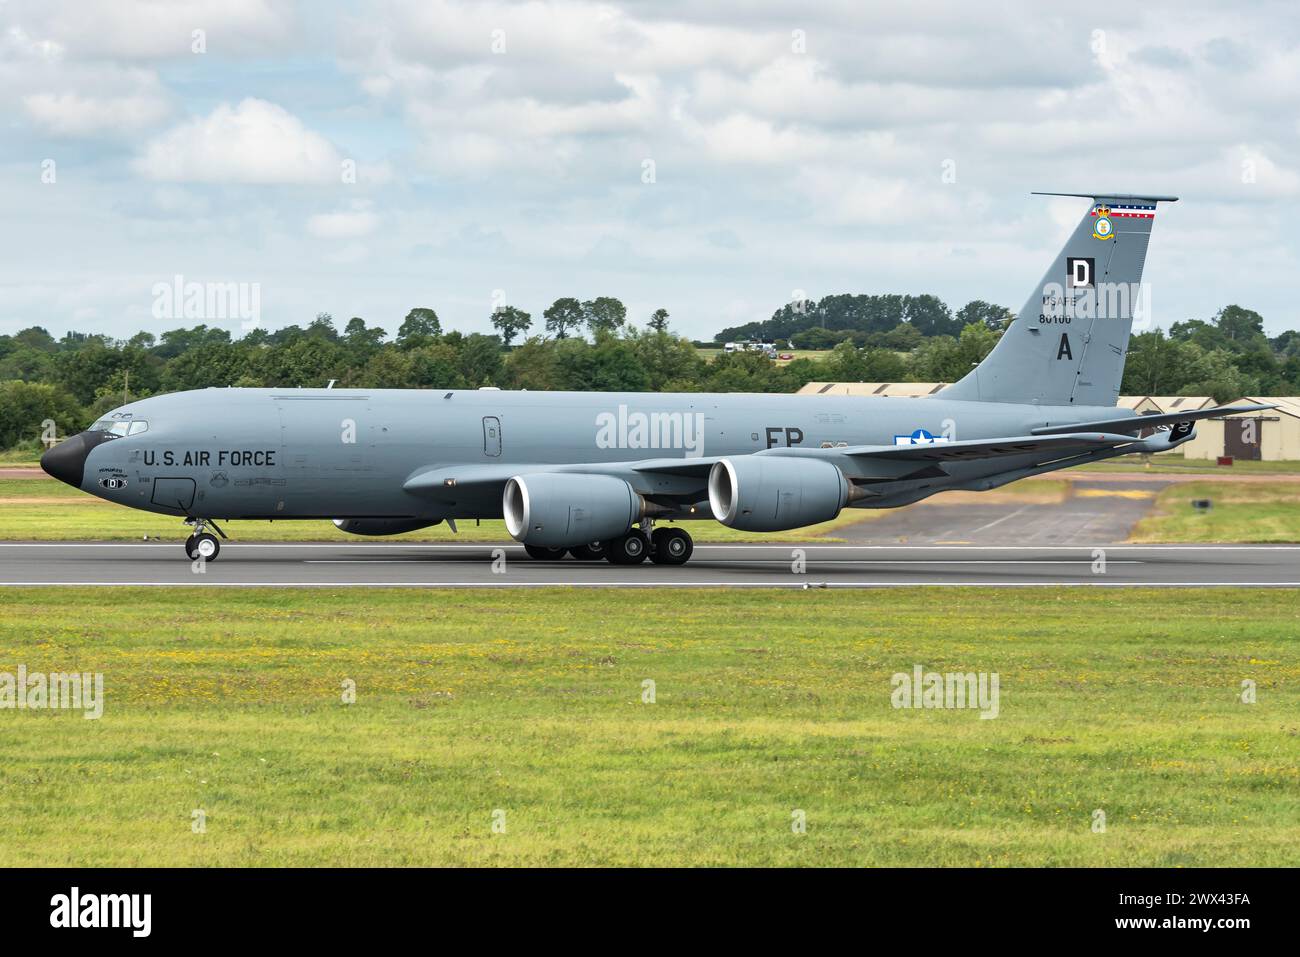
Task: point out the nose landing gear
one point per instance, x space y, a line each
203 545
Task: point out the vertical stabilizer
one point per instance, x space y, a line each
1067 345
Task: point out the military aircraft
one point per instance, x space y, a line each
602 475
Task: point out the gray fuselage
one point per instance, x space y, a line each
344 453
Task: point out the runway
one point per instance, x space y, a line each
411 565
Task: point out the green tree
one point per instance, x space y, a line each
436 366
1217 376
82 371
1241 327
1159 365
604 314
747 372
26 406
176 341
322 327
480 360
533 365
34 337
387 369
659 321
613 366
420 328
563 316
904 337
819 337
510 322
667 359
937 359
975 342
977 310
931 316
27 364
362 340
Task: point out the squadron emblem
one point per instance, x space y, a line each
1102 228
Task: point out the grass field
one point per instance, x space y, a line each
766 703
1256 512
710 354
23 456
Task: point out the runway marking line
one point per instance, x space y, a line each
999 521
768 561
659 584
784 546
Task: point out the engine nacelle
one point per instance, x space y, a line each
772 493
382 526
564 509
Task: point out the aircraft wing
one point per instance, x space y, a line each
1136 423
972 448
680 474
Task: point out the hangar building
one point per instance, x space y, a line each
1270 436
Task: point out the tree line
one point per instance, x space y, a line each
591 345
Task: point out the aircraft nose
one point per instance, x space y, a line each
67 460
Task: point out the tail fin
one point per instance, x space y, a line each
1068 344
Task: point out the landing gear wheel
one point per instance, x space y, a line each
203 546
542 553
671 546
591 552
630 549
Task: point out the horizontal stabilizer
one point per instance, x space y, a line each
1127 196
1136 423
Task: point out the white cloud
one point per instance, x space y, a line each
346 224
65 97
776 169
72 114
253 142
149 29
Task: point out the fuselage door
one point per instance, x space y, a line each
491 435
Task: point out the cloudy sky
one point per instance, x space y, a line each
713 158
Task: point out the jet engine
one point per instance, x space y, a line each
382 526
565 509
770 493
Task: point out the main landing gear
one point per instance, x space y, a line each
202 545
663 546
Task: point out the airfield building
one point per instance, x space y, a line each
1270 436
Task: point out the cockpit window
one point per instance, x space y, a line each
120 426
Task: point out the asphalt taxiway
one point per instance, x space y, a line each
785 565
